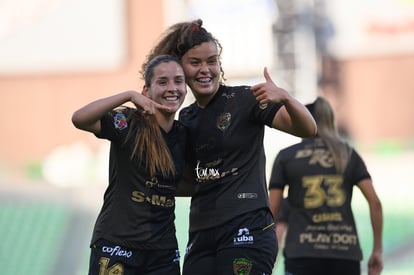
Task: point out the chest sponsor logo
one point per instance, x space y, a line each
209 173
206 173
140 197
243 237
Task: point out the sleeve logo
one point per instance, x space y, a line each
120 121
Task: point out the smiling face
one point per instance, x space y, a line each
167 86
202 70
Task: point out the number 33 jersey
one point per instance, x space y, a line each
321 222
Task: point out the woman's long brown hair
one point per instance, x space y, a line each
327 131
149 144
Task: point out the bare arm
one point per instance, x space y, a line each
88 117
275 199
375 263
281 228
293 117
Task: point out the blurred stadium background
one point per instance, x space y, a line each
57 55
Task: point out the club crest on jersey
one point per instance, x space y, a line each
120 121
242 266
223 121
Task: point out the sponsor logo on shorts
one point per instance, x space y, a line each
116 251
243 237
242 266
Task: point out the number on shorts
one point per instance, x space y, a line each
116 269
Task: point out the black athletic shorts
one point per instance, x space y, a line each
110 259
245 245
318 266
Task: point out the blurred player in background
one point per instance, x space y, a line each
321 173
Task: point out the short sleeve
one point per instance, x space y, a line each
114 125
357 170
277 178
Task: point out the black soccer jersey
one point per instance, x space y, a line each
226 141
138 211
321 222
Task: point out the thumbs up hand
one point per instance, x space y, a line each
268 91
